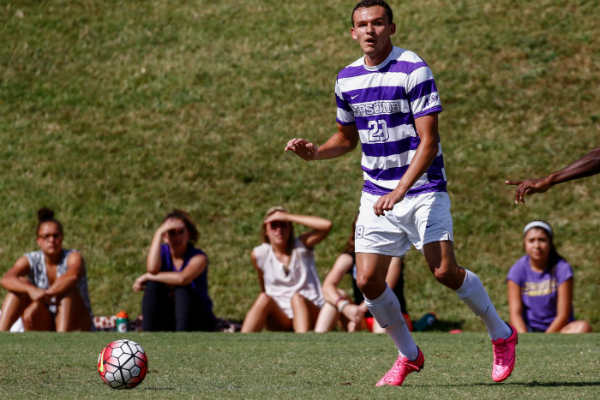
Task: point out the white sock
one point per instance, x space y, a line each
387 312
474 295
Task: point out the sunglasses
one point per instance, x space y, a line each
278 224
176 232
47 236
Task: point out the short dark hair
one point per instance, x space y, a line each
373 3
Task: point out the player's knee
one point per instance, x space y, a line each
263 300
582 326
31 316
442 274
365 282
298 300
447 274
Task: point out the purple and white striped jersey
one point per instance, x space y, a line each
384 101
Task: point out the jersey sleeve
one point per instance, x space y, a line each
515 274
422 91
344 115
564 272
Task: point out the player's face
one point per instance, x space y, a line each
278 232
178 236
373 32
537 245
50 239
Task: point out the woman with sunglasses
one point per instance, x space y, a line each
290 291
175 284
47 288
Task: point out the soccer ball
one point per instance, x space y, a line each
122 364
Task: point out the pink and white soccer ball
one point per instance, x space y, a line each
122 364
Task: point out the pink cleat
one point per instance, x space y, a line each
402 367
504 356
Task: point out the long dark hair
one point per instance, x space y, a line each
187 221
44 215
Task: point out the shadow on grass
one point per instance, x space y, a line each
442 325
525 384
551 384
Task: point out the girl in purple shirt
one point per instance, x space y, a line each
540 286
175 283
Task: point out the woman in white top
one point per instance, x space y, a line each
290 291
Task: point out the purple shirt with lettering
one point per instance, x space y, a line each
383 102
539 291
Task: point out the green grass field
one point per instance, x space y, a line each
288 366
112 113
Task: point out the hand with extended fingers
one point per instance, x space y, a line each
302 147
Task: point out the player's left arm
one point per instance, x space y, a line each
193 269
427 129
394 272
563 306
67 281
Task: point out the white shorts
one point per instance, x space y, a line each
415 220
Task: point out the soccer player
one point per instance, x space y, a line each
585 166
388 99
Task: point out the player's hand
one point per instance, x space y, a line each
171 224
303 148
354 313
528 186
277 216
139 283
37 294
387 202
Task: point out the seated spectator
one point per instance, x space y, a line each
290 291
47 288
175 284
352 312
540 286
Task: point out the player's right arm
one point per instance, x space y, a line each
585 166
153 260
340 143
259 272
515 307
15 280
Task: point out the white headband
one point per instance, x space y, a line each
538 224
